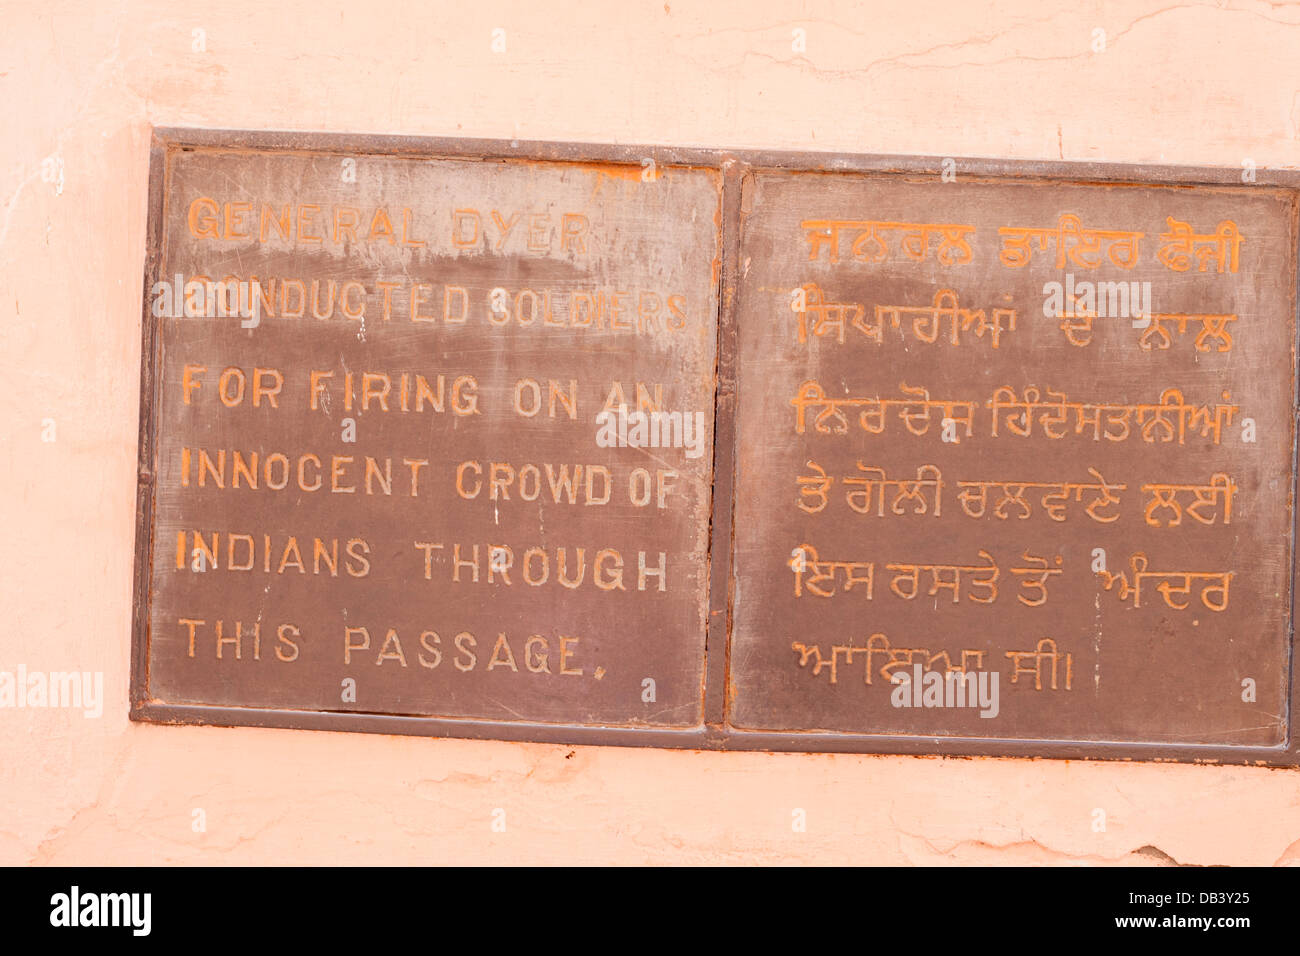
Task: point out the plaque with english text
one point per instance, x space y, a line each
428 436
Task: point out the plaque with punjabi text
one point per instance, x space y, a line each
1014 461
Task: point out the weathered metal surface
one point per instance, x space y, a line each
1145 681
951 458
390 491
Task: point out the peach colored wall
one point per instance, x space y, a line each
1209 83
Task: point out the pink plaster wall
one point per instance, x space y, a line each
1198 83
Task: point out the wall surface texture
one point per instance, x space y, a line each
80 86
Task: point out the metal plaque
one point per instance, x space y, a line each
427 435
1014 460
719 449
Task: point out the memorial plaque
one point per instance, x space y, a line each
1014 461
439 446
718 449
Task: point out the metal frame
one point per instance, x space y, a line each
734 165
